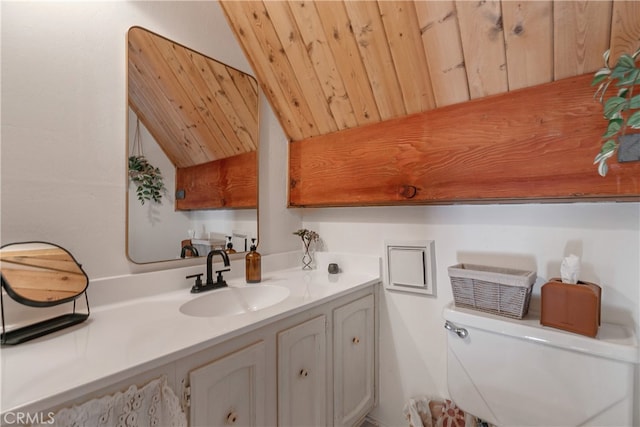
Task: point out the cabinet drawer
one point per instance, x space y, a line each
353 361
230 390
302 374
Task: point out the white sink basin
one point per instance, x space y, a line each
233 301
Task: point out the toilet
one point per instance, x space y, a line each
518 373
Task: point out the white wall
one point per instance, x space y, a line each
532 237
63 179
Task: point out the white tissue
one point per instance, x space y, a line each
570 269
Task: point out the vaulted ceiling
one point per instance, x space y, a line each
326 66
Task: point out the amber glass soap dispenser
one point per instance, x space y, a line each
253 264
229 249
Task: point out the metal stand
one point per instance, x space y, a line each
38 329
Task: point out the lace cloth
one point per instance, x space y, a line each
155 404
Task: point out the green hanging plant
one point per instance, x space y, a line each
622 109
143 174
147 178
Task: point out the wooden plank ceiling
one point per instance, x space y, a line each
197 109
327 66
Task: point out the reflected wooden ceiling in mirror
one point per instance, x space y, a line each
198 109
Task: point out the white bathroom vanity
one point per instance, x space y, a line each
305 355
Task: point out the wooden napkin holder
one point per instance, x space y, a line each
573 308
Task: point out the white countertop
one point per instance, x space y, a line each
126 338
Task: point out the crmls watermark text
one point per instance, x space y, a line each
27 418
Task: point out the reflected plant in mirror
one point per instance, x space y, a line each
146 177
199 122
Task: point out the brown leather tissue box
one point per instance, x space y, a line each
573 308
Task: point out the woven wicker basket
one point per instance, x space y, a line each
502 291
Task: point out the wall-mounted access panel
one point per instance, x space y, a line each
410 266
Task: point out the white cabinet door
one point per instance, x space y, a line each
230 390
353 361
302 374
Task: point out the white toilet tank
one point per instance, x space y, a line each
519 373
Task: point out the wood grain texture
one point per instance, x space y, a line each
256 34
235 106
370 37
324 63
528 33
330 65
581 34
625 28
344 48
438 22
482 35
403 35
225 183
183 91
297 55
44 275
197 109
528 145
146 98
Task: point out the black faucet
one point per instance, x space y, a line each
185 248
220 282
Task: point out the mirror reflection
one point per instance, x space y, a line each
41 274
195 119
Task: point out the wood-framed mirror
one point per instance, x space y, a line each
197 122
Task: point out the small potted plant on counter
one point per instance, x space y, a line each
621 109
307 237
